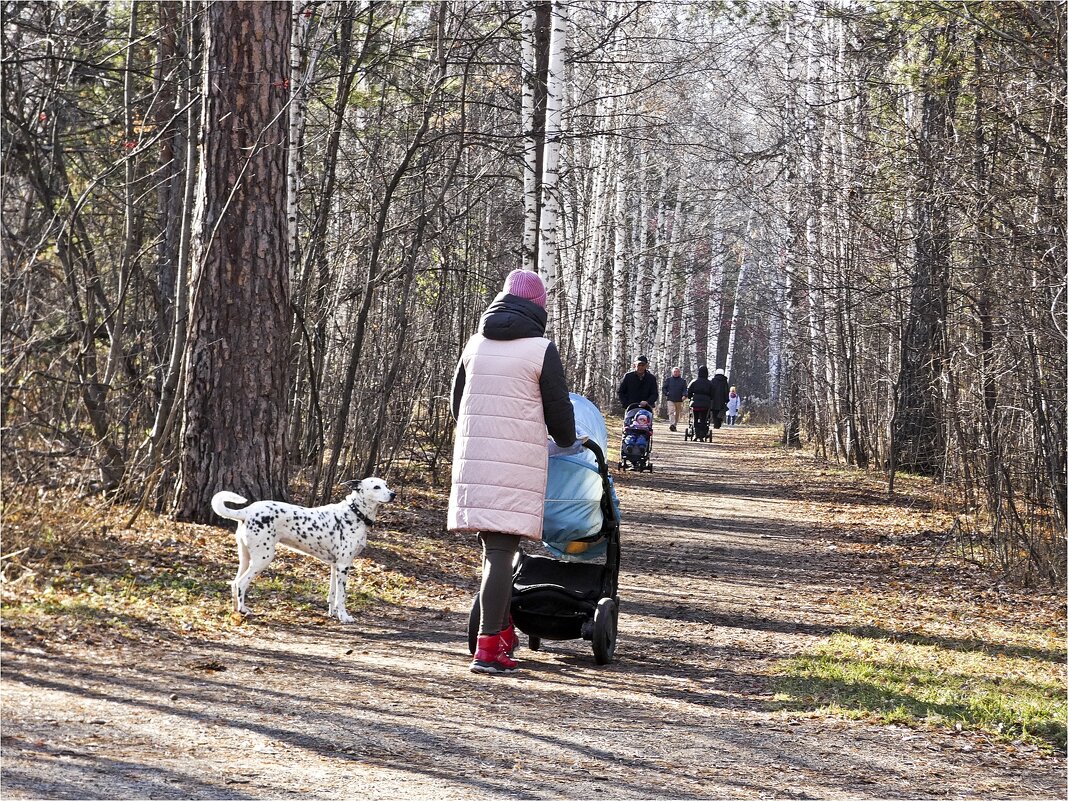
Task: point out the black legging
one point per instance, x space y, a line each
700 416
495 595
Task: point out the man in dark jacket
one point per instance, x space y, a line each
638 385
721 390
674 390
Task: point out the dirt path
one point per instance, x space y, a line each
721 578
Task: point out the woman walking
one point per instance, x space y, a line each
508 390
700 394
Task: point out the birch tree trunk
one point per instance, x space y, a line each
715 299
595 236
812 151
166 415
554 102
791 436
775 347
639 287
667 288
113 468
742 268
831 240
561 301
595 355
743 264
619 266
297 100
689 361
848 132
528 80
656 258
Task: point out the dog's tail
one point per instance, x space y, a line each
219 501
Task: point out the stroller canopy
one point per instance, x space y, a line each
574 491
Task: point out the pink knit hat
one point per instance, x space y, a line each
527 285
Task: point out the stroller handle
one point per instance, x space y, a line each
595 449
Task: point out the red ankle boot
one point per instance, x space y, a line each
491 656
511 638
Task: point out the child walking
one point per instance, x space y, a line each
733 402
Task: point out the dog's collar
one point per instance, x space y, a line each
363 518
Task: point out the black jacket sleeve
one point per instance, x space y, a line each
652 395
459 382
720 391
559 413
622 393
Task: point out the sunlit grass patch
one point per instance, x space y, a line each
189 599
86 572
120 602
922 682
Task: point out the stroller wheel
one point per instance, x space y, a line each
472 624
604 631
534 643
650 466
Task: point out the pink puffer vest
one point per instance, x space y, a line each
500 458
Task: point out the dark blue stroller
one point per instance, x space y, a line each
697 425
636 445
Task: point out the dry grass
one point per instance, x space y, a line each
932 638
71 566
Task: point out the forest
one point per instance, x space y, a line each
244 243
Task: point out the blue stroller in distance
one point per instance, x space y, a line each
573 592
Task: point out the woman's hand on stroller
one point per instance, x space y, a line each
572 449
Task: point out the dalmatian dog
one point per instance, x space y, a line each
335 534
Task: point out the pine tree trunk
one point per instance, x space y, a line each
920 421
234 432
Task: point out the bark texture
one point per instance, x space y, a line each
237 370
